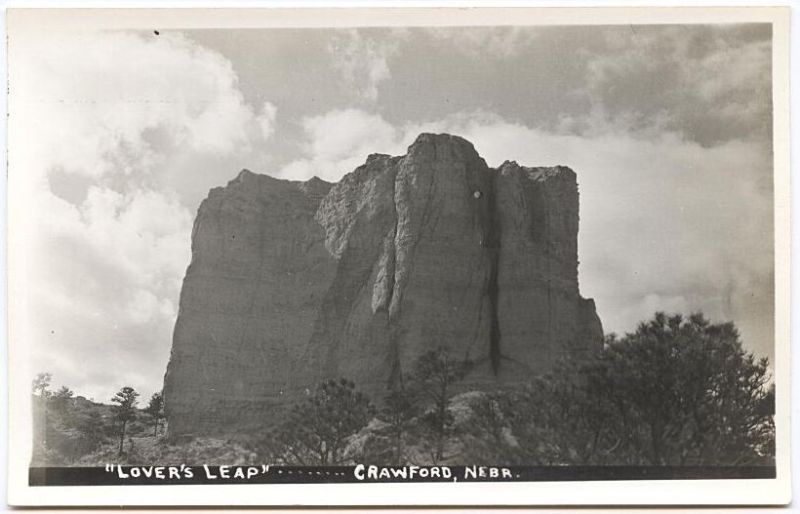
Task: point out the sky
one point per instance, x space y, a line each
667 127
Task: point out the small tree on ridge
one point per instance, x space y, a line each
124 411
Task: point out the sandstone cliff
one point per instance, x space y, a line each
294 282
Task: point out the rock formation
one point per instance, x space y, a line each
294 282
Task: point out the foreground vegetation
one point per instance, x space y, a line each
67 428
677 391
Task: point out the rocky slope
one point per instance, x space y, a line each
294 282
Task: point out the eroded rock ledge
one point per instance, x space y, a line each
294 282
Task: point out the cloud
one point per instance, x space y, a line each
266 120
362 60
103 278
127 99
711 84
666 223
338 141
116 137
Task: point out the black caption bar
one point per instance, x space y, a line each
113 474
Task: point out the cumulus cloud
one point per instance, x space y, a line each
666 223
102 280
266 120
128 96
710 83
362 60
109 129
338 141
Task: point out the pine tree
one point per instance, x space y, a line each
124 411
155 409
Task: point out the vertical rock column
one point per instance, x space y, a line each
295 282
249 300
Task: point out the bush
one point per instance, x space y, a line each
677 391
316 430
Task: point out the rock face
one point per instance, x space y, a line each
294 282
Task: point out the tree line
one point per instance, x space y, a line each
67 427
319 429
677 391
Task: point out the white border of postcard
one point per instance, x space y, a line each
670 492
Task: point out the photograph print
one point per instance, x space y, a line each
480 250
